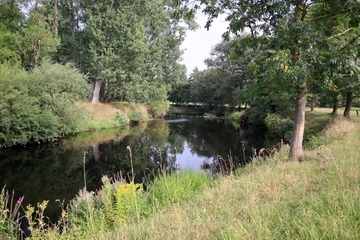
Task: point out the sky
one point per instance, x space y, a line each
198 43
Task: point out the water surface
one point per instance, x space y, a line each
58 170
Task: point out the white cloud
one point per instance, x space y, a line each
198 44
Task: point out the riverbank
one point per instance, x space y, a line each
116 114
273 199
317 198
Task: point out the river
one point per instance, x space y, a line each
58 170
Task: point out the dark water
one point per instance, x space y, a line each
56 171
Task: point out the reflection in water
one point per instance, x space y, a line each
57 170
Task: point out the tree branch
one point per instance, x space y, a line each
337 35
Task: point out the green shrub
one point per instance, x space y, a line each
122 118
280 127
158 109
158 103
236 116
137 113
38 106
272 122
136 116
285 128
209 115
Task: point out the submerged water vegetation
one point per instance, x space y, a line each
267 199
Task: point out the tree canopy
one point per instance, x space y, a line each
302 43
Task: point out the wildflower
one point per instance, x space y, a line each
21 199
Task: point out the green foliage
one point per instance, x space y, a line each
285 128
137 115
236 116
38 106
127 196
133 55
122 118
272 122
281 127
181 94
177 187
159 105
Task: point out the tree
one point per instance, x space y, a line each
292 29
38 39
226 57
11 20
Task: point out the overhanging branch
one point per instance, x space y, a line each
337 35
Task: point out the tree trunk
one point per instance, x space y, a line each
96 92
349 98
296 144
335 108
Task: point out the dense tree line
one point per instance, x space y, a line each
125 51
280 56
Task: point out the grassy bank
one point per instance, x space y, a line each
116 114
316 198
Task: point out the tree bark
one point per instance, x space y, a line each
349 98
296 144
96 93
335 108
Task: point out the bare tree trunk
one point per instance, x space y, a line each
97 86
335 108
96 93
349 98
36 53
296 144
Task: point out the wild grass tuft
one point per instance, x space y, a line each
176 187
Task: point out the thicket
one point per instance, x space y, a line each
37 105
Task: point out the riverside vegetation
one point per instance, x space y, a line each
272 198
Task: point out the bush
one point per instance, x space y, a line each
122 118
158 103
138 113
285 128
159 109
281 127
272 122
236 116
38 106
